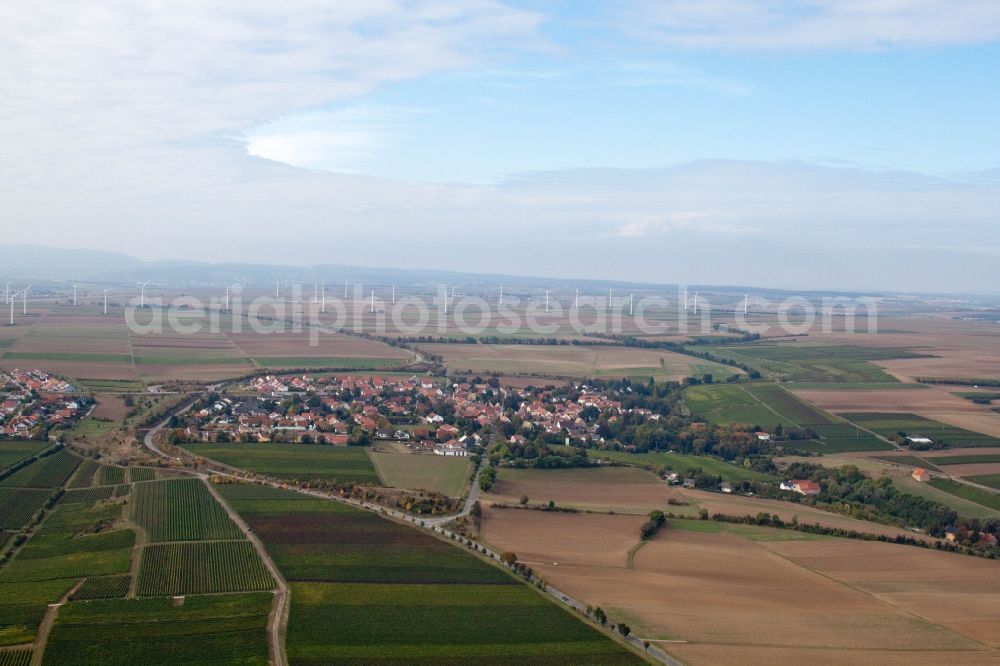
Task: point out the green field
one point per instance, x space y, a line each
216 629
136 474
181 510
110 475
369 574
340 362
201 568
68 545
725 404
865 442
301 462
891 424
18 505
84 477
50 471
192 359
991 480
803 362
759 403
683 462
110 385
966 459
15 657
103 587
977 495
442 474
12 451
67 356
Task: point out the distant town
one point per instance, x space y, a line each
32 402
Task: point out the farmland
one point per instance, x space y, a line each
75 541
816 363
50 471
200 568
991 480
181 510
217 629
443 474
889 425
575 361
680 586
372 573
103 587
763 404
932 403
83 344
682 462
619 489
18 505
767 405
977 495
302 462
12 451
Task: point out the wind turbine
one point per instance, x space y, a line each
24 304
322 294
105 301
393 294
696 302
576 301
74 295
373 302
11 298
500 300
609 298
546 300
227 298
746 303
630 297
345 290
316 292
277 289
6 292
142 293
685 299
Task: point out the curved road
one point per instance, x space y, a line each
433 525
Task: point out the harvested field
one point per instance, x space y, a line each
932 403
619 489
575 361
111 407
442 474
737 598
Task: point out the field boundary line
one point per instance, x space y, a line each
42 636
769 407
278 619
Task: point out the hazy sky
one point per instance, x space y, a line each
799 143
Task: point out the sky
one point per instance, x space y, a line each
831 144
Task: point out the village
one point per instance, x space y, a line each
33 402
428 415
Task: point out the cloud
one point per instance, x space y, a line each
87 83
706 222
769 25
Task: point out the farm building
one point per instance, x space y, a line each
919 440
921 474
801 486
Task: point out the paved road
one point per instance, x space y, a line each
433 525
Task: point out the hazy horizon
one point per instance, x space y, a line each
800 145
